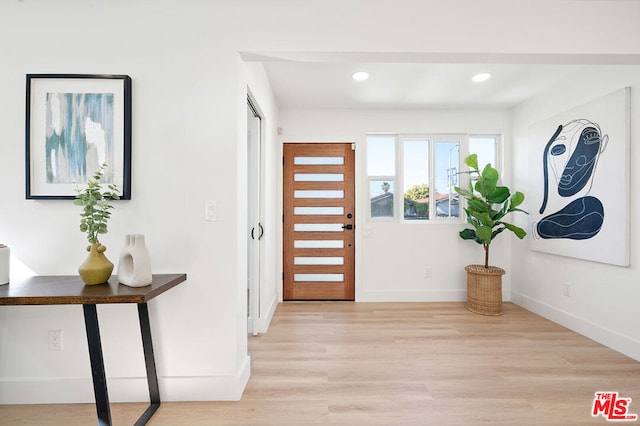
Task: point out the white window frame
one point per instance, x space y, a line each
370 178
398 179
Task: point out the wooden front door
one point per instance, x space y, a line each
319 221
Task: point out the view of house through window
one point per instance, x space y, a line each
415 180
381 169
413 177
447 163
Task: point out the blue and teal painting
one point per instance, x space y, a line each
79 136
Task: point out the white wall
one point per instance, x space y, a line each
391 264
187 94
189 89
603 304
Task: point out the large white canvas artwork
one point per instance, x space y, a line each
579 170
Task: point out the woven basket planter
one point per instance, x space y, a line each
484 289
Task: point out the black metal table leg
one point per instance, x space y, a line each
97 365
150 363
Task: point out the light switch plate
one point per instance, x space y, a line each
211 211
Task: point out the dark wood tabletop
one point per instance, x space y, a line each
70 290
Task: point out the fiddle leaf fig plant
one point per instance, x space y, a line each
96 205
487 205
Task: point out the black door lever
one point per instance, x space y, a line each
349 226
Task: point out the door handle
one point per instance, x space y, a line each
349 226
253 229
261 230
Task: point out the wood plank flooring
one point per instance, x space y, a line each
397 364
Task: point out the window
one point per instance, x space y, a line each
415 152
485 147
412 177
381 169
447 165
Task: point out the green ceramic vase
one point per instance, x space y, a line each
96 269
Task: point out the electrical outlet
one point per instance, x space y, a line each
55 340
567 290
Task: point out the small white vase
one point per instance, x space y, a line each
5 259
134 266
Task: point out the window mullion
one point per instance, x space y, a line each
399 194
432 178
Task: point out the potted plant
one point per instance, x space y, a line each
96 206
487 204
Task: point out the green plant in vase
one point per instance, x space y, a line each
487 205
96 211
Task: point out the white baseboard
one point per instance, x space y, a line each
611 338
412 296
262 324
61 391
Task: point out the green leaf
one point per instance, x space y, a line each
520 233
497 231
499 195
488 181
516 200
470 234
484 233
472 161
483 218
463 192
478 205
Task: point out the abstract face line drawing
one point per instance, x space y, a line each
583 217
545 166
579 220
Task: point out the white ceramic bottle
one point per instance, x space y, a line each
5 258
134 267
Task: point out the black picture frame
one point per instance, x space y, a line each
74 123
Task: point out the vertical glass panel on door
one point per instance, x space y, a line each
446 174
318 227
318 177
416 179
309 193
329 211
318 161
381 197
313 244
318 277
318 260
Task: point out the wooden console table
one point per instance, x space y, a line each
70 290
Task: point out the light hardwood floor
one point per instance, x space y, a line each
398 364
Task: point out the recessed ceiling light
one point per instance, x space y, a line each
483 76
360 76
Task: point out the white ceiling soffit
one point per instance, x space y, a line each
414 80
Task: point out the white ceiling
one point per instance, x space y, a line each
307 84
414 80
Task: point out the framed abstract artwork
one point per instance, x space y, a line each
580 170
75 123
